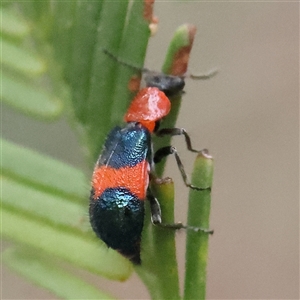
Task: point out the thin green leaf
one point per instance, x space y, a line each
20 59
78 69
36 169
61 37
182 40
34 11
81 252
45 206
198 216
28 98
11 24
49 275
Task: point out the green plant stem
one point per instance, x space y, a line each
164 243
198 216
160 255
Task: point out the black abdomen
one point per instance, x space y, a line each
117 217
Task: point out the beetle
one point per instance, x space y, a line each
120 182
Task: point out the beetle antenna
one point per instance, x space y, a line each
124 63
203 76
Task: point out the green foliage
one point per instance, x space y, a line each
53 62
54 278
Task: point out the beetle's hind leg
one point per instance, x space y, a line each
156 217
